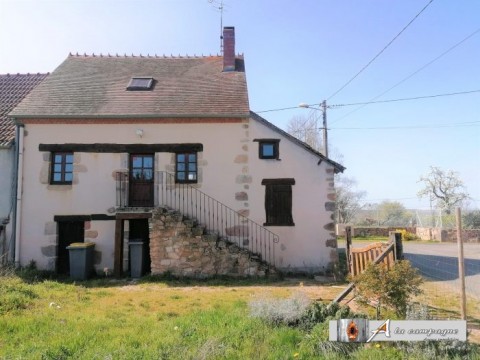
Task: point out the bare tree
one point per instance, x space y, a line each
305 128
348 199
444 188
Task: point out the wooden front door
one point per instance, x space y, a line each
68 232
141 180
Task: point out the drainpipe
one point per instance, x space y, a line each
18 206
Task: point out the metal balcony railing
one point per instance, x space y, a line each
217 218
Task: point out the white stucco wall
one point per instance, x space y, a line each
228 164
302 246
102 233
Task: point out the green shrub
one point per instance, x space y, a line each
392 288
407 236
319 312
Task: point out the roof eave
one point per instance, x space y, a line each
125 116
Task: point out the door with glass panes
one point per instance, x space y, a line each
141 182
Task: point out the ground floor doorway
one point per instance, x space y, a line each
68 232
139 232
136 223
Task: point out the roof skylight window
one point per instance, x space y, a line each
140 83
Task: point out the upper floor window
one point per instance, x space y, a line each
268 148
186 168
62 168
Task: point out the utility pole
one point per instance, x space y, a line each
325 136
461 265
323 108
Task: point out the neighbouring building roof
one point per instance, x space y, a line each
96 86
337 166
13 88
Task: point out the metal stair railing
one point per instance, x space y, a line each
217 217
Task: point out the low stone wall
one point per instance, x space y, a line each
435 234
429 233
378 231
448 235
180 247
468 235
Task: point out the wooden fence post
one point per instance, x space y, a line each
396 238
348 239
461 264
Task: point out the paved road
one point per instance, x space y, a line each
440 262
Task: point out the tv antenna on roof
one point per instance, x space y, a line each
220 6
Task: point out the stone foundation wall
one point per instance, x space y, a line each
180 247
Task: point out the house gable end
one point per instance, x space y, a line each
306 147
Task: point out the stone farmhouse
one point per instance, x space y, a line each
165 151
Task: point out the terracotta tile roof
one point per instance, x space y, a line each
13 88
96 86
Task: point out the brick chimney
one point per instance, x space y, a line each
228 48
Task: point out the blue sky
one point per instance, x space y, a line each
301 51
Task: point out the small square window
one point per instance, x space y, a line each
186 168
140 83
268 148
62 168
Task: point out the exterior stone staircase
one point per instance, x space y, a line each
182 247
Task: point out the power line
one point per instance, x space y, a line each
281 109
432 126
406 99
377 102
410 76
381 51
426 126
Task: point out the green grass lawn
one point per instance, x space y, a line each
150 320
159 319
